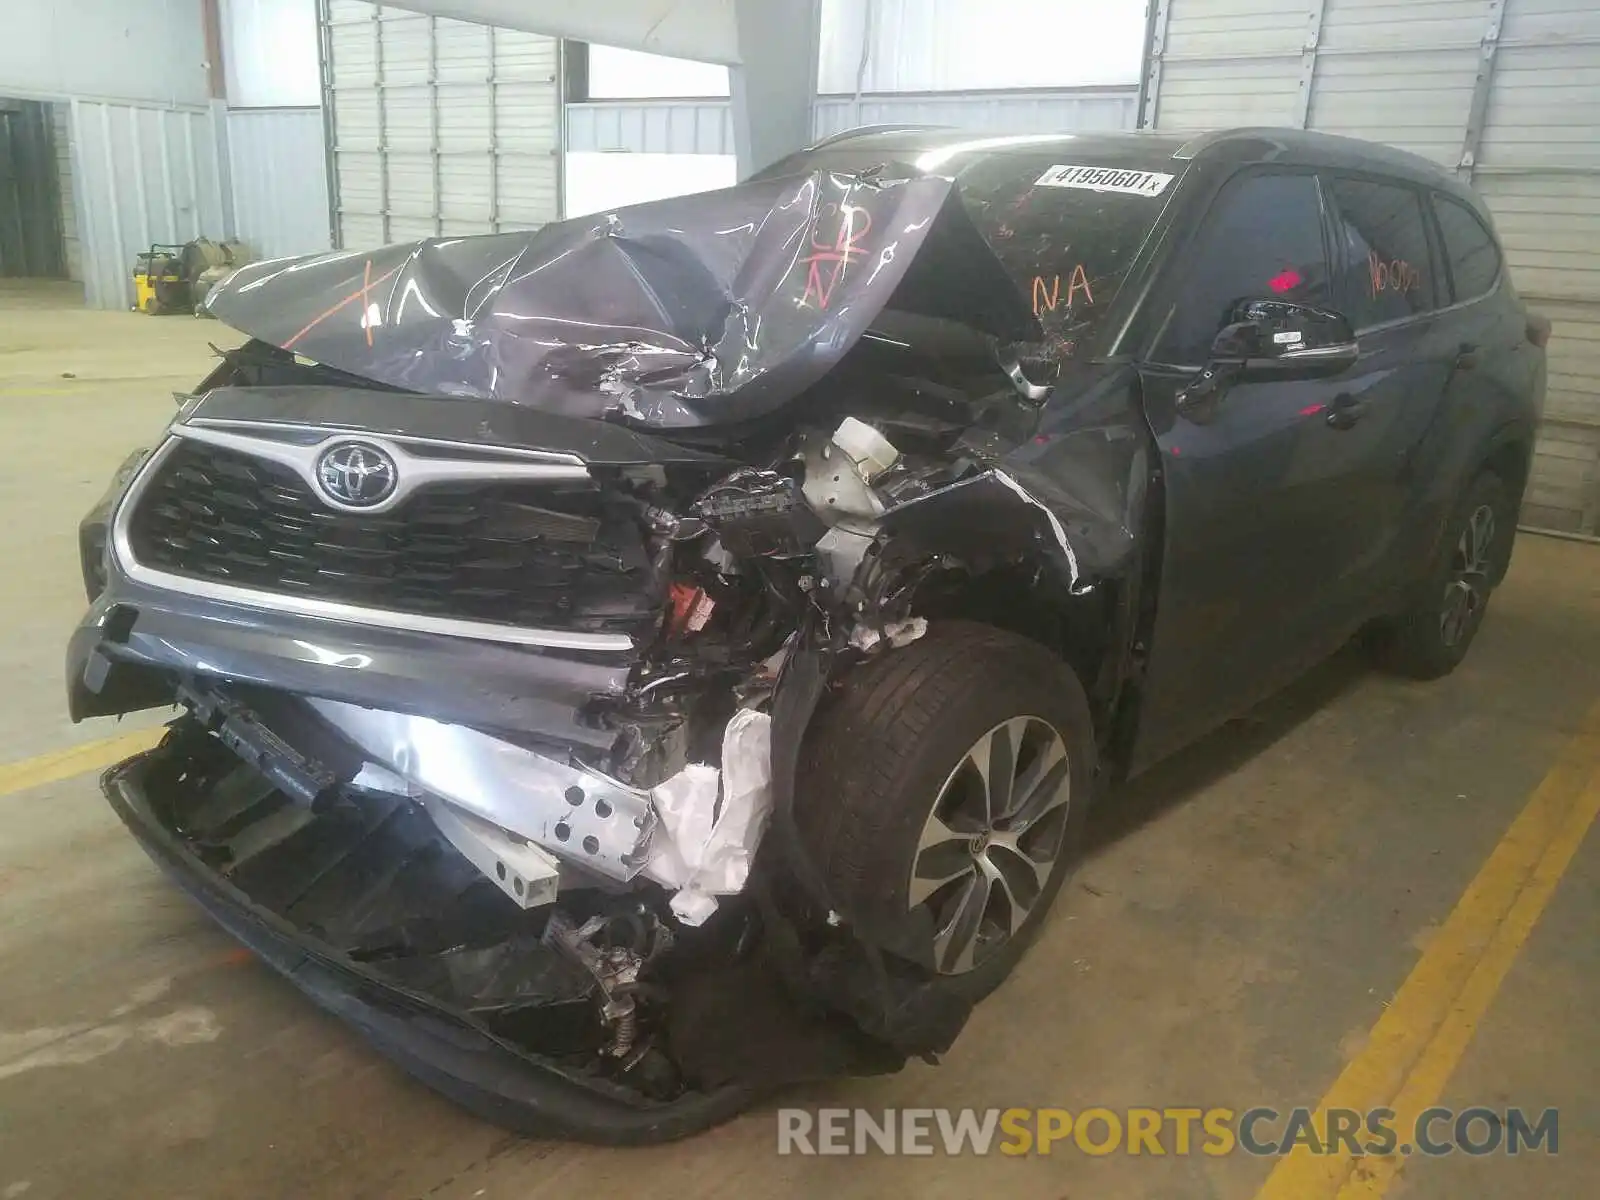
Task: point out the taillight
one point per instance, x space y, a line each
1538 330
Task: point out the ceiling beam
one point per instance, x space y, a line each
706 30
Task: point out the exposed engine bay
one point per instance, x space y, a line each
501 707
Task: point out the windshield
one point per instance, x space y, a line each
1066 229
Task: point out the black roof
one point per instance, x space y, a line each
1155 149
908 143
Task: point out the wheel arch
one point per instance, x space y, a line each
1509 454
1079 627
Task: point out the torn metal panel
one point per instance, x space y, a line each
518 868
986 517
576 814
699 310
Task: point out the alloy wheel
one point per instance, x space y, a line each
991 840
1468 589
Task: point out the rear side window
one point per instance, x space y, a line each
1474 258
1387 269
1262 240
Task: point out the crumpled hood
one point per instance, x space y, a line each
700 310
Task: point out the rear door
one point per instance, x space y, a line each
1391 286
1497 366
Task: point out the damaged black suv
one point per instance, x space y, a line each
630 666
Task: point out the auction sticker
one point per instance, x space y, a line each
1106 179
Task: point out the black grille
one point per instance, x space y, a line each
553 555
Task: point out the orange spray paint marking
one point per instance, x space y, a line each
366 286
1047 292
825 265
1398 275
1046 296
343 304
1079 280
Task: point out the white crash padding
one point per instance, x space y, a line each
704 846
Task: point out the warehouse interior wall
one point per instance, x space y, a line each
978 45
654 126
597 181
270 53
629 151
921 46
147 51
619 74
277 147
138 141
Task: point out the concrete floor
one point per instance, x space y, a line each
1244 917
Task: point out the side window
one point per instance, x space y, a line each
1387 269
1474 258
1262 240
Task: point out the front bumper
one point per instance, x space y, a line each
445 1050
136 641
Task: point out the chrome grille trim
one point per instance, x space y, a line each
414 471
330 610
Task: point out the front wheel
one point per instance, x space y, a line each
945 791
1431 638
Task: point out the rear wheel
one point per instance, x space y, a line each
945 791
1432 638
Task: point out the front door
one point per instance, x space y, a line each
1270 495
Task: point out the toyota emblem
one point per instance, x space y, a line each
357 474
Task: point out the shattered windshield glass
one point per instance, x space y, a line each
1067 230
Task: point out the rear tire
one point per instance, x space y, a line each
1430 639
905 803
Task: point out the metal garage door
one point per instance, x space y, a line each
439 127
1507 92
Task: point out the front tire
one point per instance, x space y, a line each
945 790
1430 639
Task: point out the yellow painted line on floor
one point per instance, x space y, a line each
1414 1048
75 760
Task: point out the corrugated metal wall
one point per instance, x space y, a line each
1506 92
278 171
439 126
140 175
706 126
61 115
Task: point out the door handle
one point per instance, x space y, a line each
1467 356
1345 411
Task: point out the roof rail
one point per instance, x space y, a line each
889 127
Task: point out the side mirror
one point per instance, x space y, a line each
1275 339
